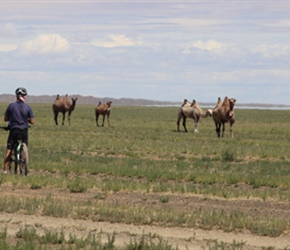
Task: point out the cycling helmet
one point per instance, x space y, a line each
21 91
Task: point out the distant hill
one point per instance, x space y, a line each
90 100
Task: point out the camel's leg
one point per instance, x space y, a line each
104 117
196 123
184 123
218 128
68 117
178 123
97 119
223 131
55 117
231 128
63 118
108 119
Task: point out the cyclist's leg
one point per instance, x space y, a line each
9 147
24 136
7 159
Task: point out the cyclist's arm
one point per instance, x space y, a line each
31 120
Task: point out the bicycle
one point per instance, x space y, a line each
19 156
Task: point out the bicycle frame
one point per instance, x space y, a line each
19 156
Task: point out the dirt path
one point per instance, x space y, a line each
184 238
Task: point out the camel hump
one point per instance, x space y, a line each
193 103
226 101
184 102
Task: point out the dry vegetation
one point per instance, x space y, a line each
140 184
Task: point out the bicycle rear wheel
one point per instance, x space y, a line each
24 159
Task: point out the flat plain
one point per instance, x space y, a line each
141 179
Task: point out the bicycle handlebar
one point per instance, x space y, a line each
4 128
8 128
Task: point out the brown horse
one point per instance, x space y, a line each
224 113
63 105
191 110
104 110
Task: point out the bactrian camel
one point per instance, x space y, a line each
104 110
224 113
191 110
63 105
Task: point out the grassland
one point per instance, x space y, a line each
141 171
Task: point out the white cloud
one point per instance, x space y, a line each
270 51
7 47
211 46
115 41
45 44
9 29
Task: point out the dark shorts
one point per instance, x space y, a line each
15 135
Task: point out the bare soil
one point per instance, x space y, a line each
183 238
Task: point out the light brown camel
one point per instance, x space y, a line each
104 110
63 105
224 113
193 111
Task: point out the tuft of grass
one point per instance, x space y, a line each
228 156
77 186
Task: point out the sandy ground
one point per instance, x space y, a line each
184 238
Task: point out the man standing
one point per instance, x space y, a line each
18 115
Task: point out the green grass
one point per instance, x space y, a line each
143 152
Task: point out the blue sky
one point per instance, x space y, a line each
157 50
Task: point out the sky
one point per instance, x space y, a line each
155 50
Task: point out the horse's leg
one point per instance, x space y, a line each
55 117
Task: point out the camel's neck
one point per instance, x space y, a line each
72 107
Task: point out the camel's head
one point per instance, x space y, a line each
209 111
232 103
74 100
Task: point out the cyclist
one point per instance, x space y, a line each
18 115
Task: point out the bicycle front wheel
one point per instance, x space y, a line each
24 160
